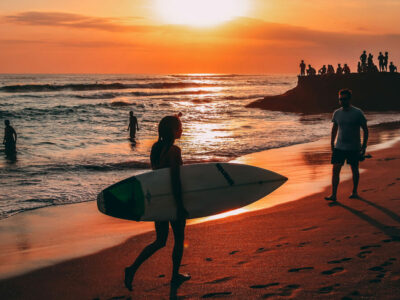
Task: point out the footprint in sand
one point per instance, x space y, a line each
216 295
333 271
285 291
219 280
261 250
376 269
370 246
309 228
390 184
208 259
300 269
339 260
327 289
242 262
264 286
233 252
363 254
302 244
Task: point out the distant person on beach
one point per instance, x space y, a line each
330 70
10 139
322 71
164 154
359 68
381 63
339 69
302 68
392 68
133 125
347 120
385 61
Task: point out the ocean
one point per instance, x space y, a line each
73 139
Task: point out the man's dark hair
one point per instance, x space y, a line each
345 92
7 122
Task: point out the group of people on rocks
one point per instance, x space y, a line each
365 65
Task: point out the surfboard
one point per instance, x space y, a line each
207 189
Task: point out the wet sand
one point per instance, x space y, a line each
303 249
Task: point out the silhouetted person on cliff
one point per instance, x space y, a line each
9 140
385 61
339 70
381 59
330 70
363 58
302 68
346 69
359 68
322 71
370 62
311 71
392 68
347 120
133 126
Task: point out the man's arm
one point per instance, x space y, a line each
365 137
333 135
15 135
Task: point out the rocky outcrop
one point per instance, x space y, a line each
318 94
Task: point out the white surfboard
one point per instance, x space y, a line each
207 189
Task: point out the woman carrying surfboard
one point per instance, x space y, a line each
164 154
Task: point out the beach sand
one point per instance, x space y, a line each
303 249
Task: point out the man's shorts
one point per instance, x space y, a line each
340 156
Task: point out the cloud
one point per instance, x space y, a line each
61 19
70 43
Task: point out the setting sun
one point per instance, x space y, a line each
200 13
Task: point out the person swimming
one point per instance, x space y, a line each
133 125
10 139
164 154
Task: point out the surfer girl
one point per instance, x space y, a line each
164 154
133 125
10 139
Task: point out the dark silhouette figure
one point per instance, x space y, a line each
346 69
331 70
322 71
339 70
363 58
359 68
347 120
164 154
385 61
392 68
370 63
302 68
381 59
10 139
311 71
133 125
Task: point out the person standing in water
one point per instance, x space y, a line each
347 120
10 139
133 125
164 154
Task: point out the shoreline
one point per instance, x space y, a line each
313 249
42 241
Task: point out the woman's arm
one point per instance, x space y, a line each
175 161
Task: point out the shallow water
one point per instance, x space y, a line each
73 139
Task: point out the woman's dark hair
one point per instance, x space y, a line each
166 136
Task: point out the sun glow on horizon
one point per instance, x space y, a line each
200 13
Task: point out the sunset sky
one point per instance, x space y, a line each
192 36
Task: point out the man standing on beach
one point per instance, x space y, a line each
347 120
302 68
10 139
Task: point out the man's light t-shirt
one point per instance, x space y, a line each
349 123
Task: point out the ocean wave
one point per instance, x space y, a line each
99 86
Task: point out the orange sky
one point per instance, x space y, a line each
121 36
